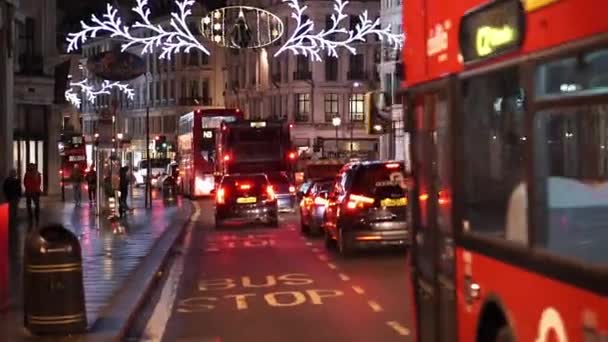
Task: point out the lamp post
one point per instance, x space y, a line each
352 107
336 121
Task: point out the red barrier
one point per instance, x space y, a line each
4 263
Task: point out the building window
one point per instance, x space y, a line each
355 67
356 107
331 106
193 57
331 68
206 97
165 90
157 94
302 102
172 90
184 60
184 91
169 124
193 89
204 59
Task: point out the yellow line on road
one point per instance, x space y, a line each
400 329
332 266
358 289
375 306
344 277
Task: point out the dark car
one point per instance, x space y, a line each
367 207
313 204
285 190
246 198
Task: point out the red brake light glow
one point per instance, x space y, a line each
358 202
270 192
392 166
226 158
221 196
245 187
292 155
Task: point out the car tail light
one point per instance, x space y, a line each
221 196
320 201
292 155
392 166
359 202
245 187
292 188
270 192
227 158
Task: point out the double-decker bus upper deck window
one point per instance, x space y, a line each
585 73
494 142
573 162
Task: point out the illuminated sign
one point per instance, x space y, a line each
208 134
492 30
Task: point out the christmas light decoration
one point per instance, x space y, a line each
154 36
91 93
72 98
305 41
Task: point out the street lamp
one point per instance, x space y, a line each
352 109
336 121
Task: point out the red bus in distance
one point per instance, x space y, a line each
507 105
72 152
197 148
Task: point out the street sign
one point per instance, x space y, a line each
114 65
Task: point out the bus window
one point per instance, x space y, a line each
576 162
494 142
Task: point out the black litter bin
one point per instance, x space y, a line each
53 285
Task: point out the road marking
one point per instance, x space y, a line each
358 289
344 277
332 266
308 243
212 249
292 229
375 306
401 330
323 257
315 250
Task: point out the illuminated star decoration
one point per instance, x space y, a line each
180 39
308 43
91 93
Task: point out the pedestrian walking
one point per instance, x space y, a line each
12 193
124 189
77 179
91 179
32 181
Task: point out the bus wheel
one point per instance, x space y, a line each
505 335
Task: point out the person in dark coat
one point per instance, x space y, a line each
124 189
12 193
91 179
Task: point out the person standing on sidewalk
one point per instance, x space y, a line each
32 181
91 179
12 193
77 179
124 189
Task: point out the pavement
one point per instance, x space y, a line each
113 254
250 283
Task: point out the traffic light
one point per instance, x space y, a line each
375 121
160 143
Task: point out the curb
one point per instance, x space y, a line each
116 319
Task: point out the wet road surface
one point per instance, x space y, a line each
253 283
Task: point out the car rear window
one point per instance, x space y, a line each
379 180
249 183
325 186
277 178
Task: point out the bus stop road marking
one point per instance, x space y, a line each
358 289
375 306
401 330
332 266
344 277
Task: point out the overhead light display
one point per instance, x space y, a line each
91 92
236 27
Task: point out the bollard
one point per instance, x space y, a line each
53 284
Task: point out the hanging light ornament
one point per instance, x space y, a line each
91 93
249 27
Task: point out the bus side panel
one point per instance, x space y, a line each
536 307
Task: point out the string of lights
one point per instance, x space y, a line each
91 93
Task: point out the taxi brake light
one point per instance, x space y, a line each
270 192
221 196
245 187
358 202
226 158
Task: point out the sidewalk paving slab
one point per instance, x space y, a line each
113 254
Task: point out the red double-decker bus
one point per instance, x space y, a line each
507 105
72 152
197 144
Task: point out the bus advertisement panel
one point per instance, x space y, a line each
508 110
197 148
256 146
